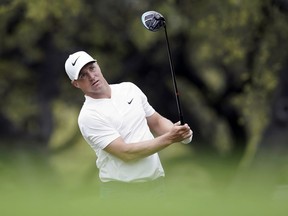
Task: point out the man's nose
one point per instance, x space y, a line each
91 76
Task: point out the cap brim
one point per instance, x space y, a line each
80 68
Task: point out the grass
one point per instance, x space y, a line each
67 184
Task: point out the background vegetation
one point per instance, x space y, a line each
230 57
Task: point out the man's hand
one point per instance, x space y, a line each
179 132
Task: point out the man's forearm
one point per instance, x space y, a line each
143 149
134 151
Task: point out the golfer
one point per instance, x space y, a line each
119 124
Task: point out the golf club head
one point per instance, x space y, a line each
153 20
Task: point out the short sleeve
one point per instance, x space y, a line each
97 132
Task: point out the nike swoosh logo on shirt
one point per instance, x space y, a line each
129 102
73 63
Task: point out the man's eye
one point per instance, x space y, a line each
92 68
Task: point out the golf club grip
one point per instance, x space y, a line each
181 119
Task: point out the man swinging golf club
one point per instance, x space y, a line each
118 122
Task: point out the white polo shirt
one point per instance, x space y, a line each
103 120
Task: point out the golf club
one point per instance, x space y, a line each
153 21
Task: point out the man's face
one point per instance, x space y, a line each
90 80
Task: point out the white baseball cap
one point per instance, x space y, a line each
76 62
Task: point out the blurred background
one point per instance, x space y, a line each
230 59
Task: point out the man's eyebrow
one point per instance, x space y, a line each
81 72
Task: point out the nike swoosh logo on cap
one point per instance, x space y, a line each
73 63
129 102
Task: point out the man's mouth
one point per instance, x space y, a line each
95 82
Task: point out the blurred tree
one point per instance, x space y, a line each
227 56
271 154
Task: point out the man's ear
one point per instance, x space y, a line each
75 83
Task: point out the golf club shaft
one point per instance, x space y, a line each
174 79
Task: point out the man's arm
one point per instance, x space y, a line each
169 133
159 124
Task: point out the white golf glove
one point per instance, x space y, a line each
188 140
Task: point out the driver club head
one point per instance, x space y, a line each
153 20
